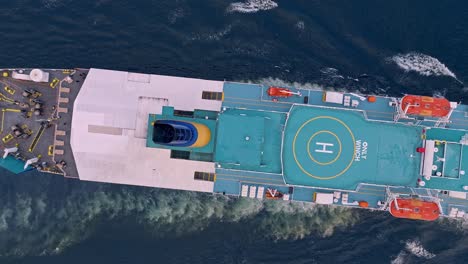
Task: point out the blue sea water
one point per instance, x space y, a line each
385 47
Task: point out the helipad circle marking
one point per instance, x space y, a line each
339 147
294 147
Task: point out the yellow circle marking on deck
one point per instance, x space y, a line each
352 157
324 132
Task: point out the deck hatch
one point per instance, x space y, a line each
207 95
183 113
204 176
180 154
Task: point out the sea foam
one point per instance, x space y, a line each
416 248
413 247
400 258
251 6
52 4
212 36
422 64
40 223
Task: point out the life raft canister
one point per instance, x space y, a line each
363 204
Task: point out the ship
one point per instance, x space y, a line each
405 155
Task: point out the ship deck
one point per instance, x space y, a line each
340 150
48 134
358 151
298 145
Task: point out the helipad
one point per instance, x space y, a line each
339 149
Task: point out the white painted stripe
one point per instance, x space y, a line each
253 191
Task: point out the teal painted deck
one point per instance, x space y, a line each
13 165
387 158
249 140
251 96
449 135
301 148
339 150
452 160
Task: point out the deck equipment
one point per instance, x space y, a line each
413 208
281 92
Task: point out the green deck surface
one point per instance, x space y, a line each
389 159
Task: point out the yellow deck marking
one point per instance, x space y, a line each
3 120
9 90
50 151
6 99
54 83
12 110
3 115
294 147
36 139
7 138
324 132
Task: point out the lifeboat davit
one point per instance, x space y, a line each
280 92
425 106
414 209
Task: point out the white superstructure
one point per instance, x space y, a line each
109 127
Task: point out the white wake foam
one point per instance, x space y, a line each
213 36
175 15
28 218
416 248
278 82
300 25
332 73
270 81
401 258
422 64
251 6
51 4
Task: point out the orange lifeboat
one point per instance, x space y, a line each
425 106
279 92
414 209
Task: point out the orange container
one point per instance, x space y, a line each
363 204
371 99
